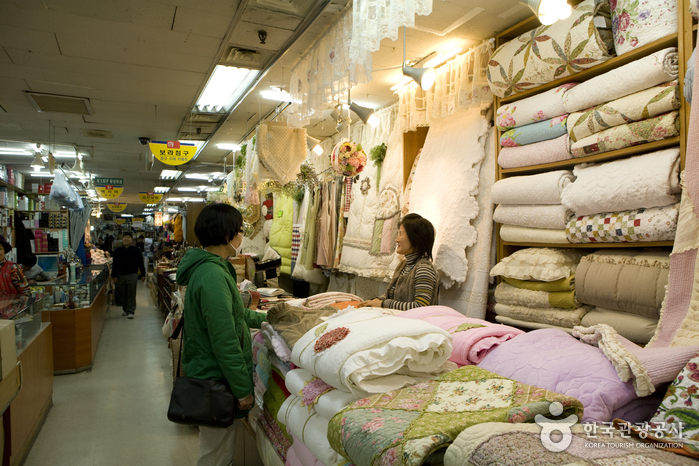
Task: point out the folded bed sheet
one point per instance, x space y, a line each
535 132
518 234
644 104
629 226
553 217
657 68
631 134
555 316
643 181
553 150
540 189
365 350
635 328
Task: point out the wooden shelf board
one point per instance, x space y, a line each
603 157
11 187
612 63
648 244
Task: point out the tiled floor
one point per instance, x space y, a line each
116 414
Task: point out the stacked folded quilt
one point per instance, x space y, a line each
627 286
628 200
407 426
533 203
472 338
539 287
550 52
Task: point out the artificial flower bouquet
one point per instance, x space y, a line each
348 158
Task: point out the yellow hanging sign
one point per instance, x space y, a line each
150 197
173 152
119 221
117 207
109 188
138 219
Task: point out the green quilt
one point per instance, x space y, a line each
404 427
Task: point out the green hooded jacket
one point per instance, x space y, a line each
217 342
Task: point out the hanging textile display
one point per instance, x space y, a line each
450 162
281 149
364 209
461 83
375 20
78 222
325 72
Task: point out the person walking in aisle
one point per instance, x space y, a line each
128 264
216 338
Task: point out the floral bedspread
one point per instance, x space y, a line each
404 427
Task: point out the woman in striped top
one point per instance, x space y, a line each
415 280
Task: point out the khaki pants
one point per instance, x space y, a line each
216 445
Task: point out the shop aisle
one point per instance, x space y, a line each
116 414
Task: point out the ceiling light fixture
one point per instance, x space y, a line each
198 176
170 174
233 147
37 163
126 215
434 62
225 85
189 190
161 189
365 114
313 144
548 11
276 94
424 77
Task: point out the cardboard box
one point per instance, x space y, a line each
8 348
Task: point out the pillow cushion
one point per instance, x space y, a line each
544 264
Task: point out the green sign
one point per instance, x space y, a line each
109 181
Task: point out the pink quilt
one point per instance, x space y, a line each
472 338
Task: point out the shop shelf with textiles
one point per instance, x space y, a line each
677 39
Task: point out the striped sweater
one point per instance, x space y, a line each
425 280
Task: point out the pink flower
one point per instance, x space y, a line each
362 402
624 21
373 425
558 121
620 40
375 410
390 457
354 161
539 116
508 142
612 4
633 42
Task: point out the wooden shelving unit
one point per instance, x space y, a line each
683 40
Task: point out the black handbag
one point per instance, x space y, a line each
199 402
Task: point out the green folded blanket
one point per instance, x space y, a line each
563 284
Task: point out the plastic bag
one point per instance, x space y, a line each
63 193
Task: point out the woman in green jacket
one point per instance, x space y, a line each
217 342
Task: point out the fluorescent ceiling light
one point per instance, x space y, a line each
276 94
225 85
170 174
42 174
233 147
101 199
190 190
195 199
161 189
199 176
14 152
174 199
126 215
151 205
208 188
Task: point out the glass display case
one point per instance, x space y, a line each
77 293
25 311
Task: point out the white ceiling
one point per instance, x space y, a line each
143 63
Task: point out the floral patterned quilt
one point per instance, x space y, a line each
631 134
535 132
404 427
549 52
636 23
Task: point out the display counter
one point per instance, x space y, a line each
23 419
78 316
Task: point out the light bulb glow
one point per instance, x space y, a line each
318 150
373 121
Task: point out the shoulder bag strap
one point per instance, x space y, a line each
175 334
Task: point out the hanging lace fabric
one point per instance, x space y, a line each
461 83
325 72
378 19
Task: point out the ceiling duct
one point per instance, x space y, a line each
96 133
245 58
60 103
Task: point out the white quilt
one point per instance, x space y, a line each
379 354
657 68
311 428
553 217
449 166
517 234
650 180
544 188
330 403
365 207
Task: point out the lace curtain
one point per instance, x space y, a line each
325 72
377 19
461 83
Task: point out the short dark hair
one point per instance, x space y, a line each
420 233
126 233
29 260
6 246
217 224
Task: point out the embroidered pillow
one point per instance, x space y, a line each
544 264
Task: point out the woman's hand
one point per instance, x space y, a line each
246 403
371 303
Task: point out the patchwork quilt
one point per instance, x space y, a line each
549 52
640 225
403 427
